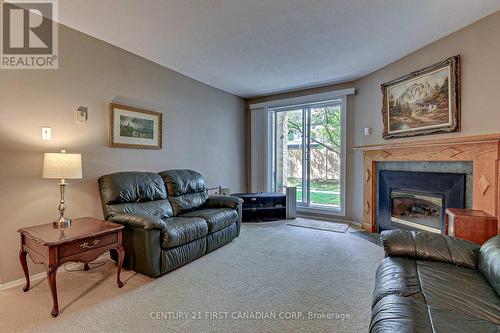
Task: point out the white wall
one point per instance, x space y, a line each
203 130
479 48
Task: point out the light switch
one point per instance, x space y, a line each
368 131
46 133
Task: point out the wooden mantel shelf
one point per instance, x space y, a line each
482 150
433 142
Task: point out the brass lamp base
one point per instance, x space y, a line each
61 223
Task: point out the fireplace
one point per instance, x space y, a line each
416 210
482 152
418 200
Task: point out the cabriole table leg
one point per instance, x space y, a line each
121 255
51 277
24 264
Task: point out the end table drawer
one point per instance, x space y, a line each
87 244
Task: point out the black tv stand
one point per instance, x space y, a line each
262 206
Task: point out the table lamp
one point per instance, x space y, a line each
62 166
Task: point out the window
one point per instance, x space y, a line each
307 151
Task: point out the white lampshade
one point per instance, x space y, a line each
62 166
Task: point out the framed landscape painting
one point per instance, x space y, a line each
135 128
423 102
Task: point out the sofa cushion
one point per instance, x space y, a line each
179 182
179 231
217 218
444 320
186 189
458 289
400 314
430 246
489 262
122 187
127 192
187 202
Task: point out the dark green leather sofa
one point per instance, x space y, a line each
169 218
432 283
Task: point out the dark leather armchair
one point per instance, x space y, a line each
436 283
168 217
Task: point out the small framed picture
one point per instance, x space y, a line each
135 128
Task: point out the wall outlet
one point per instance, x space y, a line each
46 133
368 131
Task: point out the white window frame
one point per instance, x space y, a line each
297 102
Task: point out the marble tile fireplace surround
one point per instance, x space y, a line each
478 156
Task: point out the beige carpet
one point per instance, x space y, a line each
270 271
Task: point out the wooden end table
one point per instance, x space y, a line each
473 225
85 240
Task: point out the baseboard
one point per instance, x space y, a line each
21 281
34 277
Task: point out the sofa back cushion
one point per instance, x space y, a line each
489 262
430 246
186 189
134 193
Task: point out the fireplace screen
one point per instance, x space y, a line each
416 210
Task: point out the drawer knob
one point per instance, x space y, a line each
86 245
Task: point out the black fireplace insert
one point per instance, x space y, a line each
418 200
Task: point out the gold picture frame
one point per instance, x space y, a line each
423 102
131 127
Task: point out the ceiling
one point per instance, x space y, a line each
258 47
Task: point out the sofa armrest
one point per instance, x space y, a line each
223 201
139 221
430 246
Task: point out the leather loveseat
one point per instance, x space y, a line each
435 283
169 218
